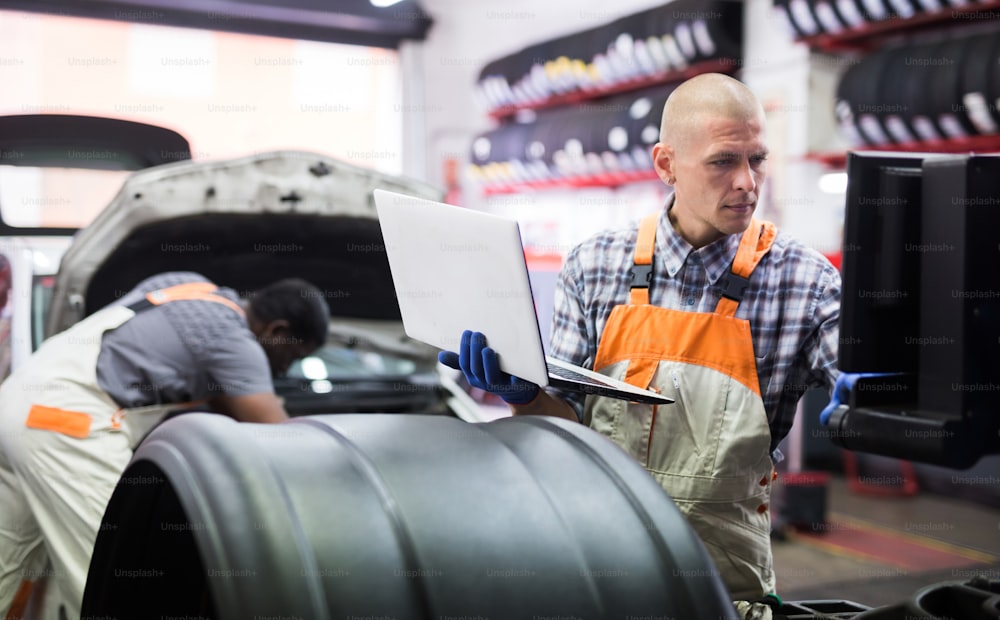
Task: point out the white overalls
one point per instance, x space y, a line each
64 443
710 449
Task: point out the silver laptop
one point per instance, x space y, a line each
456 269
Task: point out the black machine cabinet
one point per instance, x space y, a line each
922 299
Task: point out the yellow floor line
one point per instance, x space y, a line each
844 552
932 543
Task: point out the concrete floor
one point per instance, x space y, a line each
878 551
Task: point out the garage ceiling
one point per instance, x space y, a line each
354 22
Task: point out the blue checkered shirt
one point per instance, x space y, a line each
792 303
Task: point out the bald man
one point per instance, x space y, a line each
708 305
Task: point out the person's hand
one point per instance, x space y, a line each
842 391
481 368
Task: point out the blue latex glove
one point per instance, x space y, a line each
842 391
479 364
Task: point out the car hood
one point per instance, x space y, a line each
244 223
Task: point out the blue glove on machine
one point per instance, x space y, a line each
481 368
842 391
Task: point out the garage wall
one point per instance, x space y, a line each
463 38
796 88
442 115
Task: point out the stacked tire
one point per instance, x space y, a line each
809 18
656 42
605 141
922 92
381 516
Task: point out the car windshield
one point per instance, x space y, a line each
341 378
333 362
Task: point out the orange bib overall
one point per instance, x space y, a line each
710 449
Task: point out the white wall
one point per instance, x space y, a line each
467 35
440 101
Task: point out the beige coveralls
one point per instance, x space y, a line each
64 443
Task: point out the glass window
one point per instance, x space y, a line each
41 297
229 94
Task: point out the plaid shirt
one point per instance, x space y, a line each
792 303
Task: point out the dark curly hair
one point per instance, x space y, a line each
300 303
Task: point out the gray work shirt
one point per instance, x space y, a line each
181 351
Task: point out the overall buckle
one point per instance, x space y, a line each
641 276
734 286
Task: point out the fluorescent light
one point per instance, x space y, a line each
833 183
384 3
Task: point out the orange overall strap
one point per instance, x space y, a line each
755 243
20 602
642 270
202 291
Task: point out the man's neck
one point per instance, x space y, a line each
696 233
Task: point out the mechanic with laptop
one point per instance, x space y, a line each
710 306
72 415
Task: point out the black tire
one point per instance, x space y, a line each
994 89
858 99
946 96
896 106
978 101
400 516
828 16
921 66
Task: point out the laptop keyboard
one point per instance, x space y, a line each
572 375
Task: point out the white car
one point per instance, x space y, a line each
30 263
246 222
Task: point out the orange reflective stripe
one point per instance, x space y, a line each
645 336
644 244
754 244
72 423
202 291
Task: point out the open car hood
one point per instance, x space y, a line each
244 223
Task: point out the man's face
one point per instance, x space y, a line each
282 356
718 171
282 349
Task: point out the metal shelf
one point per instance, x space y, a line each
874 34
972 144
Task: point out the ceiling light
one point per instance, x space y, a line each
384 3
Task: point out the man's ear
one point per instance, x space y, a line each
276 329
663 162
